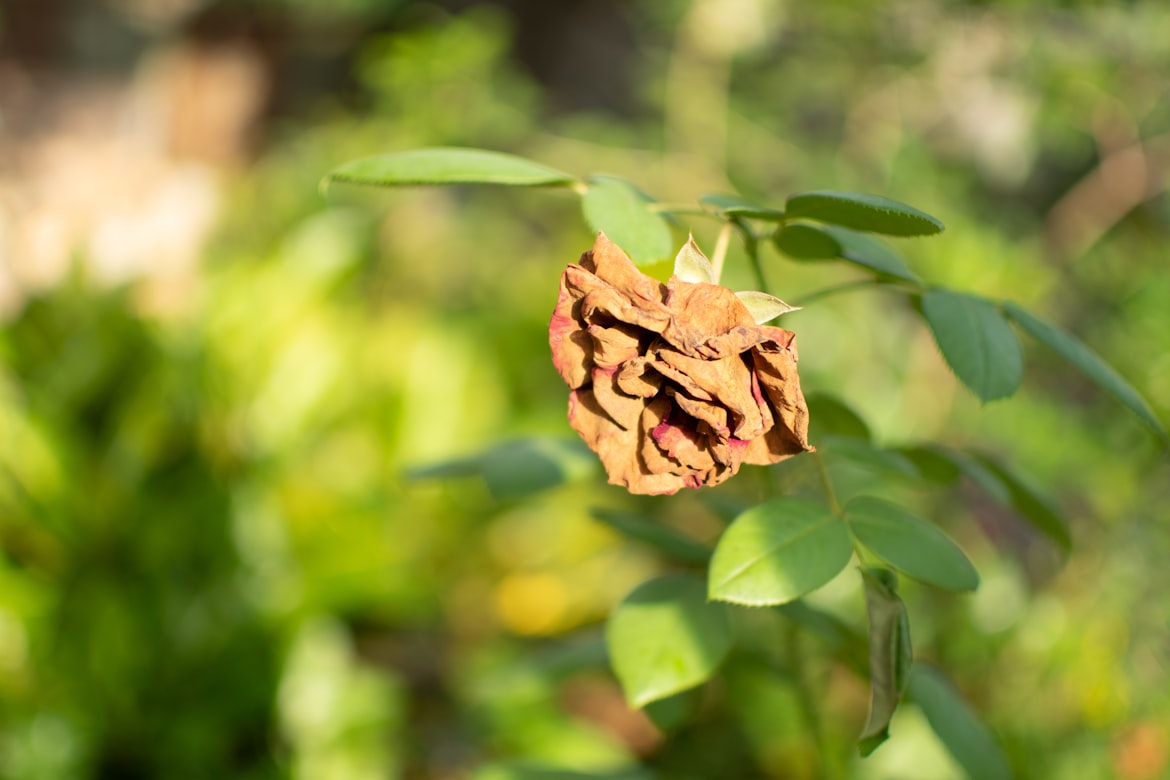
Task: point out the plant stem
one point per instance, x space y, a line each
858 284
826 483
720 253
681 208
835 505
752 247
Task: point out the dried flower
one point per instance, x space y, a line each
673 385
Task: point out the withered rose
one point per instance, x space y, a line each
673 385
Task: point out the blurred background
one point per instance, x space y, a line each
213 376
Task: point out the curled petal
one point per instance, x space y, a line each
726 382
621 408
636 377
614 345
708 321
572 349
610 263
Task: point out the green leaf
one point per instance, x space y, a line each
449 165
934 457
829 416
943 465
965 736
615 207
691 265
890 655
872 213
518 468
803 241
735 206
1031 504
806 242
670 543
764 307
864 453
871 253
778 551
911 545
665 638
976 341
930 463
1089 363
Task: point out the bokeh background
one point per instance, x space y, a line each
214 377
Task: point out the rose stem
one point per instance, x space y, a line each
858 284
752 247
680 208
720 253
826 483
834 504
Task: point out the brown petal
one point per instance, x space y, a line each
623 409
708 320
609 262
635 377
572 349
712 414
680 441
656 461
775 366
774 446
617 448
615 345
727 382
606 304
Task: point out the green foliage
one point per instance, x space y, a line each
1088 364
976 341
777 551
735 206
665 637
861 211
965 736
449 166
910 544
890 655
624 213
805 241
517 468
672 544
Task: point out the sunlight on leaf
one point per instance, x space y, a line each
910 544
620 210
778 551
665 637
449 165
